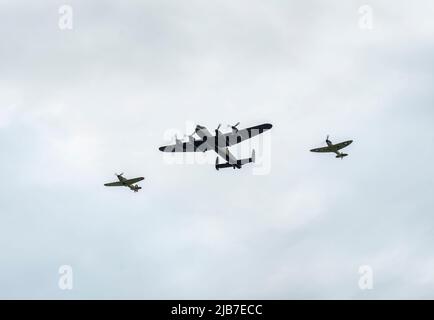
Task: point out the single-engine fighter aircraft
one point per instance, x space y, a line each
219 143
123 182
334 148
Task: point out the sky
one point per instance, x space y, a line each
82 103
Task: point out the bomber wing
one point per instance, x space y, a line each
244 134
182 147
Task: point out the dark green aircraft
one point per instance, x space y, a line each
123 182
334 148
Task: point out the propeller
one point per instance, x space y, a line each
190 136
234 127
119 175
217 132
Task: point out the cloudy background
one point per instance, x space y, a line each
78 105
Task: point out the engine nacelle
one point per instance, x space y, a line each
178 142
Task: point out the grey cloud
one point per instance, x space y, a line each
98 99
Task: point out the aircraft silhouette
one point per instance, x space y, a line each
219 143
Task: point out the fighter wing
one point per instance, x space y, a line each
342 145
133 181
325 149
114 184
244 134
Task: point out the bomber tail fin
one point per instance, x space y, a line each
238 165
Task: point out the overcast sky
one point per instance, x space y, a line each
78 105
